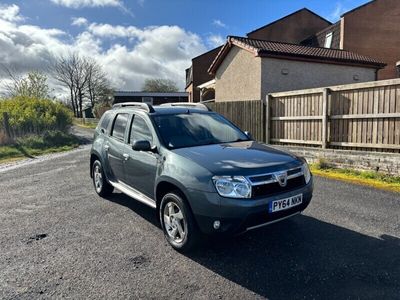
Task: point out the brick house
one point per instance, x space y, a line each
248 69
293 28
372 29
197 74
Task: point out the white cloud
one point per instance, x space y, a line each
94 3
79 21
141 2
219 23
134 55
338 11
10 13
215 40
88 3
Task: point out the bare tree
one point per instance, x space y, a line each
98 87
159 85
64 71
83 77
33 84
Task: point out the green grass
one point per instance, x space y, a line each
31 146
370 178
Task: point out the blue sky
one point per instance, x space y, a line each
122 34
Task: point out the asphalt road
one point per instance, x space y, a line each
59 239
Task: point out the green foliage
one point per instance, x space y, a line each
32 115
323 164
32 85
159 85
49 142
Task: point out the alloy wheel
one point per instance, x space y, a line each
174 222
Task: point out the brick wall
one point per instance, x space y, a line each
360 160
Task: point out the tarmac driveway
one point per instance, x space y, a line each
59 239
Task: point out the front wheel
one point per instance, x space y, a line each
101 186
177 222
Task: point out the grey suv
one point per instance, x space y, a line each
201 173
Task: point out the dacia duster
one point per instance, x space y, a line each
201 173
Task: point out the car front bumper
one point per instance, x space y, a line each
240 215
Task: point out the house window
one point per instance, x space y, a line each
328 40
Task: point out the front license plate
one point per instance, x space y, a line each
286 203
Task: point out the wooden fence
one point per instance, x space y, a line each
247 115
363 116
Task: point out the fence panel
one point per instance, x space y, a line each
357 116
247 115
297 119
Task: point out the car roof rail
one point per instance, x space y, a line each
188 104
144 106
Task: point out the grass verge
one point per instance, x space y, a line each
369 178
29 147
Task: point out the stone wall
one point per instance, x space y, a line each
360 160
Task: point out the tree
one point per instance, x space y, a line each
32 85
84 78
98 87
159 85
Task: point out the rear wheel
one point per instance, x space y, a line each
101 186
177 222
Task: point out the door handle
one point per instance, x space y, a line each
106 147
126 156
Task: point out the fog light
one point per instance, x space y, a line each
216 224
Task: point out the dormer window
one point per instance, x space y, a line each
328 40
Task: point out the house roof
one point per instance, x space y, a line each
296 12
357 8
261 48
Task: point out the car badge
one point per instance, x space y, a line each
281 178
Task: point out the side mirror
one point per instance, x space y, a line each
142 145
248 135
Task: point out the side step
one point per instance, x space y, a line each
135 194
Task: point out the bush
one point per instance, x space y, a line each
31 115
47 140
323 164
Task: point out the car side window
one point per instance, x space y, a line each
118 130
140 131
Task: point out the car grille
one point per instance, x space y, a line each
274 188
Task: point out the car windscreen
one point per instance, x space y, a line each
196 129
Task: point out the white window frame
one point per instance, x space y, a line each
328 40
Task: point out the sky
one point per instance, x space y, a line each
137 39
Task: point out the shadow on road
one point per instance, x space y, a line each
298 258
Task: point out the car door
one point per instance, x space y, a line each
116 145
141 166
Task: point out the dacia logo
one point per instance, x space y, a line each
281 178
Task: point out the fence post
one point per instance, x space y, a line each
325 95
268 100
6 126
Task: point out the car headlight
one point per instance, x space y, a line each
306 172
232 186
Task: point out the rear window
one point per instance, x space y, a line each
118 130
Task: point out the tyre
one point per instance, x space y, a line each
101 186
177 222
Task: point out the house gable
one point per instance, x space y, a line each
238 76
292 28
